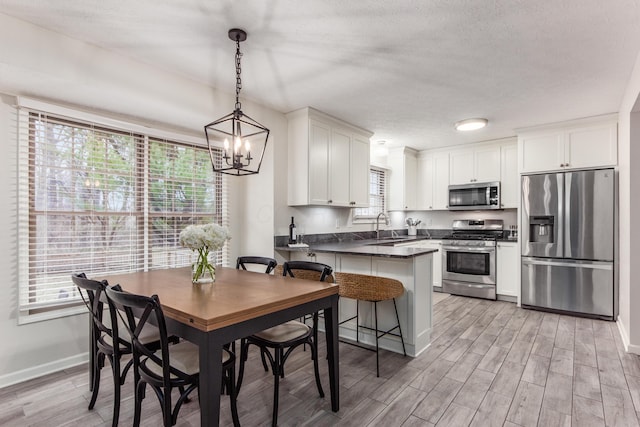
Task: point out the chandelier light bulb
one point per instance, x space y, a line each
226 145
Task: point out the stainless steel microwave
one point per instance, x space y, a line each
479 195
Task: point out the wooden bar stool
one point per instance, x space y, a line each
361 287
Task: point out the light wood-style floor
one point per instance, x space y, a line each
490 364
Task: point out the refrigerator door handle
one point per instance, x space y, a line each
563 216
566 204
594 265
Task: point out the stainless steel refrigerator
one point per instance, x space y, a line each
568 242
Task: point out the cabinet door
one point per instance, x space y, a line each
339 165
324 258
509 182
319 141
424 185
461 167
592 146
437 261
359 172
402 179
507 280
486 164
541 152
410 177
441 181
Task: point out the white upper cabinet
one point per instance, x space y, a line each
475 164
328 161
403 178
424 186
509 179
579 144
359 169
440 181
432 189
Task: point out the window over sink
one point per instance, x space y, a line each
377 196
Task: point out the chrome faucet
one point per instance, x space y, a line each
386 218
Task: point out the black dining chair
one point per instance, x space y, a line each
170 367
105 342
284 338
243 261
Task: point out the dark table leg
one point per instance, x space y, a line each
210 380
331 328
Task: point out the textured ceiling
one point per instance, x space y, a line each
406 70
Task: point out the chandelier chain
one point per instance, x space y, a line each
238 71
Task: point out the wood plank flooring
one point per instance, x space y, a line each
490 364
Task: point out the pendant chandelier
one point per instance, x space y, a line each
241 139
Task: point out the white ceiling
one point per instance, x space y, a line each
406 70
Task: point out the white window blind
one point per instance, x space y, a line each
183 190
105 200
377 195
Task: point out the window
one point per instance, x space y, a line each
103 200
377 196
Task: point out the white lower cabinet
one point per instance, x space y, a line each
414 306
437 261
324 258
507 259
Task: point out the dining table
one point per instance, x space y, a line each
237 304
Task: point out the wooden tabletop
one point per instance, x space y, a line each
235 296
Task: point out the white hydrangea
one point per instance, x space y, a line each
210 237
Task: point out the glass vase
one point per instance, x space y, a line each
202 271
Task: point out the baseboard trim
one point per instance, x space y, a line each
629 348
507 298
44 369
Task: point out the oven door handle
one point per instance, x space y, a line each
469 248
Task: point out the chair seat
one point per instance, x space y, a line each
184 357
284 332
149 335
368 288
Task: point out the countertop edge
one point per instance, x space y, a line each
362 250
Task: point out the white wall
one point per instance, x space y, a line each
46 65
629 156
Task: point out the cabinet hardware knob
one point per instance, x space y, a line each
329 201
430 207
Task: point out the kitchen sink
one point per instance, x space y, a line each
389 241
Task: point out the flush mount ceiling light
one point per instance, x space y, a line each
241 139
471 124
381 150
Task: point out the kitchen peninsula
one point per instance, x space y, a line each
399 258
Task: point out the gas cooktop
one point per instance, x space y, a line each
476 229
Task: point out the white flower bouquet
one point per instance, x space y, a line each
204 238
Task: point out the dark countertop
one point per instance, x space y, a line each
373 247
367 247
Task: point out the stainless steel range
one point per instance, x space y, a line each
469 258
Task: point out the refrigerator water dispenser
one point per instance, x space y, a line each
541 229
